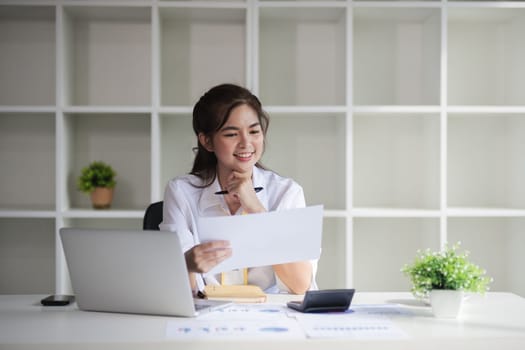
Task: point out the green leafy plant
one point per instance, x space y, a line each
96 174
446 269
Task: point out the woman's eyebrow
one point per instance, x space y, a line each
226 128
231 127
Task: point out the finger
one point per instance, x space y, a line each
212 245
212 259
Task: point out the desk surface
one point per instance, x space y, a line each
495 320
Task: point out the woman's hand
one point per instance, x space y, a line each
205 256
240 187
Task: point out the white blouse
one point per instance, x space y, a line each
184 204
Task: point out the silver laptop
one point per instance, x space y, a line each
131 271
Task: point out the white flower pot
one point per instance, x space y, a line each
446 303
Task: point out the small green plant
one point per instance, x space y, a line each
96 174
445 270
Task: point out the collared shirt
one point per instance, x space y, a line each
185 202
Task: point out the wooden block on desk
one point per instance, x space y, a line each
235 293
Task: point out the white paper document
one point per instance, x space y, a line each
226 329
238 321
353 325
275 321
268 238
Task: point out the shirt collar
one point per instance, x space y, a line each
209 199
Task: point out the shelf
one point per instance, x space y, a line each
486 169
112 213
108 109
26 213
294 110
485 109
27 109
396 161
485 212
329 213
405 119
295 146
394 213
392 109
121 140
378 256
396 3
396 56
27 63
194 44
486 56
495 244
107 55
27 155
302 56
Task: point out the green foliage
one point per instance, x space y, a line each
445 270
96 174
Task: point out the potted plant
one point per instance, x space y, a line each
98 179
444 277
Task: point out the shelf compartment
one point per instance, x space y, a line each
486 169
121 140
378 256
496 245
298 143
176 148
396 56
107 56
200 48
396 161
27 256
27 155
486 56
27 62
331 269
302 56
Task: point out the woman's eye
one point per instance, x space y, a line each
230 135
255 131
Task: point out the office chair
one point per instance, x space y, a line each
153 216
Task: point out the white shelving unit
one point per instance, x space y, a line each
406 119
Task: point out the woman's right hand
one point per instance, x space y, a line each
205 256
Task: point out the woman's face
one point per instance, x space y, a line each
239 144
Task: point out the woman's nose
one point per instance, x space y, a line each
243 141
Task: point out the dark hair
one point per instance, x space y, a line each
210 114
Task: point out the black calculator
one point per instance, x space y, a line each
328 300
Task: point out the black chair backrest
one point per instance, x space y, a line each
153 216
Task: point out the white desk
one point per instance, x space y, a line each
493 321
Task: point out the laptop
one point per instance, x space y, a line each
131 271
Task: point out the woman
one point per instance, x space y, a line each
227 179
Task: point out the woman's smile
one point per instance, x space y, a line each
244 156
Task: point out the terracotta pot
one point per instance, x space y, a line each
101 197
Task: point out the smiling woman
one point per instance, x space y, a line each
238 146
227 178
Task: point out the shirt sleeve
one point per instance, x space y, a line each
291 196
177 216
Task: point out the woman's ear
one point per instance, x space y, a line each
205 141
